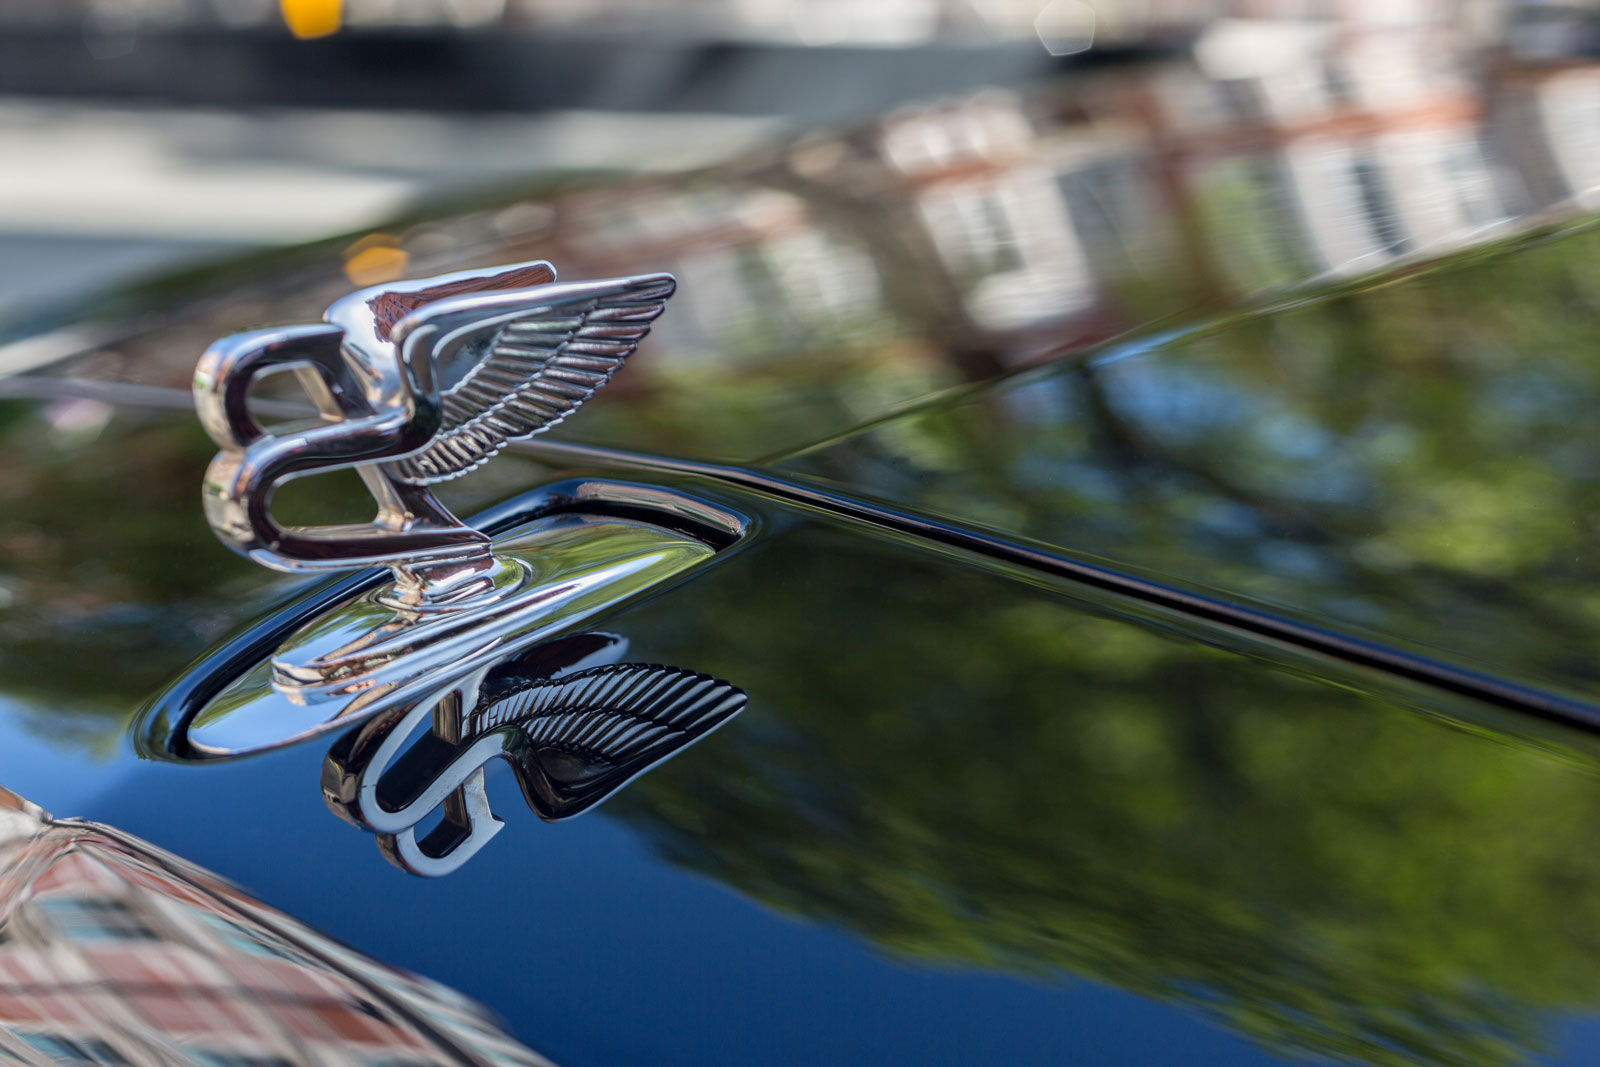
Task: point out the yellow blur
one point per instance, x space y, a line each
312 18
372 260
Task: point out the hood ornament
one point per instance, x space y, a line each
416 383
455 645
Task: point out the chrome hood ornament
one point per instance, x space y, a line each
465 649
416 382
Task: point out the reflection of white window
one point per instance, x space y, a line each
821 279
975 226
245 939
1343 202
1256 234
62 1049
1440 186
1241 100
1113 209
1335 81
1471 182
992 127
1377 205
1012 246
1570 107
92 919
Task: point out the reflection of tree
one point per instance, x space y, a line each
114 579
1411 455
964 770
110 568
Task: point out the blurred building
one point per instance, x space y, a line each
1282 153
112 952
819 22
995 228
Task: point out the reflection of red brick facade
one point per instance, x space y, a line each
1024 226
113 952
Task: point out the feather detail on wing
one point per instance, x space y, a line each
587 735
545 350
614 714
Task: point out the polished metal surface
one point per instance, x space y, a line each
590 545
416 382
574 565
574 726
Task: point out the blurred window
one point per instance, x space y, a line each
1336 80
1375 204
1470 178
91 919
244 939
1109 204
984 237
73 1049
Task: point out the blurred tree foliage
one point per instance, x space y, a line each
112 579
966 771
1414 455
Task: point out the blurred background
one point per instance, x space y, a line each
136 133
139 134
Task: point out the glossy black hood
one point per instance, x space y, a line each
1167 620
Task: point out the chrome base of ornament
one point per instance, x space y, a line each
382 637
569 564
562 555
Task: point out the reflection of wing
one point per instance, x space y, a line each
590 733
546 351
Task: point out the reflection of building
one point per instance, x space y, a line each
113 952
962 236
1286 150
1550 116
992 204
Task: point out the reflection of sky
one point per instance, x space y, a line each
596 951
1575 1041
1187 405
57 777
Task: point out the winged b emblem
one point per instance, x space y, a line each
416 383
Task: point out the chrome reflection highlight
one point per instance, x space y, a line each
593 544
574 725
113 951
416 382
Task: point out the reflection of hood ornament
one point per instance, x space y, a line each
416 382
574 726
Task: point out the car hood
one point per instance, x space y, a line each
1166 624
